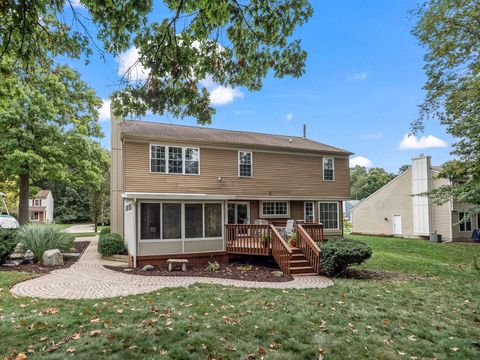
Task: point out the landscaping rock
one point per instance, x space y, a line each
12 263
127 269
29 256
277 273
52 258
148 268
16 256
20 248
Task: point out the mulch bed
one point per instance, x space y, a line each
38 268
378 275
237 271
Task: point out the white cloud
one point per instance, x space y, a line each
75 3
220 95
127 62
104 112
360 161
224 95
412 142
358 76
288 117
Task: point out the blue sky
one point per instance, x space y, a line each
363 82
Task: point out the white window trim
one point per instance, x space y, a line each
323 167
465 222
182 239
305 210
338 214
281 216
166 159
251 163
35 202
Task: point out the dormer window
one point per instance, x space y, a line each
245 164
328 169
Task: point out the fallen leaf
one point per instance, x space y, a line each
71 350
96 332
94 320
386 322
21 356
50 311
76 336
163 352
262 350
455 349
412 338
133 347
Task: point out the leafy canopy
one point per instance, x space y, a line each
450 32
231 42
365 182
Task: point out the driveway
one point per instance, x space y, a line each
89 279
80 228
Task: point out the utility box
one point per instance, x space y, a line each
434 237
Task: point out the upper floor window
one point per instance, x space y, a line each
275 208
37 202
328 169
328 215
245 163
174 159
465 222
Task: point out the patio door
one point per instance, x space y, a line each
238 212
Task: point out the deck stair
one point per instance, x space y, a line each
299 265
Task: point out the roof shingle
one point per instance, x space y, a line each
183 132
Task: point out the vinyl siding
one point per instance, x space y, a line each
441 214
374 215
274 174
457 234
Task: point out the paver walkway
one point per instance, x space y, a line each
88 279
80 228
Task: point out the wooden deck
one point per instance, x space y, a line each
265 240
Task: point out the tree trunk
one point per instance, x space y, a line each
23 199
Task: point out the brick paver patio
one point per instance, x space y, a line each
88 279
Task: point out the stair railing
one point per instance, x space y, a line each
309 248
281 251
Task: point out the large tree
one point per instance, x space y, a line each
48 119
450 32
365 182
231 42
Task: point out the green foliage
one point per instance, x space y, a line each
111 244
365 182
450 32
8 240
212 266
347 226
105 230
190 45
40 238
337 255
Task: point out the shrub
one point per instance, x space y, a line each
40 238
212 266
8 240
111 244
105 230
337 255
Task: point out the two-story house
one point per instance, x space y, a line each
202 193
40 207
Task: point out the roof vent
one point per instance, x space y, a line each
290 140
304 131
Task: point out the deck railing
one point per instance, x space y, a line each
248 239
315 231
281 251
308 247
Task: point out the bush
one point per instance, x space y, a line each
40 238
337 255
212 266
111 244
8 240
105 230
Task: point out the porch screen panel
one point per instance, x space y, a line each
213 220
193 221
328 215
171 221
150 221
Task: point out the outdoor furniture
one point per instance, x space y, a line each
288 230
183 262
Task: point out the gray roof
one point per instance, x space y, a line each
42 194
196 133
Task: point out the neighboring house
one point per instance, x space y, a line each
40 208
175 188
394 210
347 207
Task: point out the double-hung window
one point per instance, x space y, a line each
328 215
245 164
275 208
328 169
174 160
465 222
37 202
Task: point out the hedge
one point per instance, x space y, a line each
105 230
337 255
111 244
8 240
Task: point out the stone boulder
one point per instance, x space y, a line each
277 273
29 255
52 258
148 268
20 248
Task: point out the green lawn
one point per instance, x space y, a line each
438 317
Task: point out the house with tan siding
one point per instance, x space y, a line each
199 193
397 209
